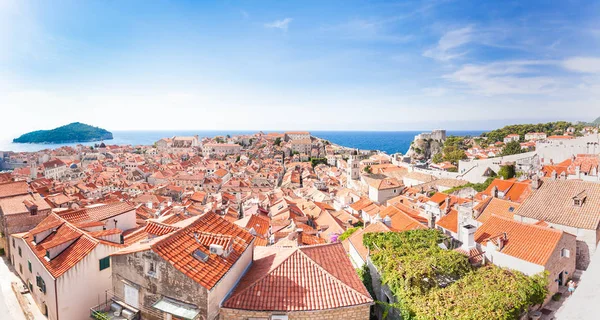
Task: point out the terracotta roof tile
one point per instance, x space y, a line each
98 213
299 279
553 203
13 189
177 248
449 221
69 257
524 241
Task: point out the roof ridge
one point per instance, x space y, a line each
329 273
528 224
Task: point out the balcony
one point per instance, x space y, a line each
114 308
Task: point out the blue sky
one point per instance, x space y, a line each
328 65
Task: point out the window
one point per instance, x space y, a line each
20 252
40 284
104 263
20 268
30 285
151 269
13 242
565 253
29 265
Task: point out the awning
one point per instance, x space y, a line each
177 308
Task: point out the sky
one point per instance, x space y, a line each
297 65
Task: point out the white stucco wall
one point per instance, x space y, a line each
84 285
224 287
503 260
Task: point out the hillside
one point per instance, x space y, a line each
74 132
550 128
597 121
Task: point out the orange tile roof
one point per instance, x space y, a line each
98 213
438 198
513 190
449 221
399 220
177 248
524 241
13 189
65 232
259 223
360 204
494 206
299 279
387 183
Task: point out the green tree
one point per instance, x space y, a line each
347 234
454 156
513 147
277 141
437 158
316 161
507 171
368 169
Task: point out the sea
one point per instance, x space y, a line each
387 141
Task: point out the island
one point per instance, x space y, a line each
70 133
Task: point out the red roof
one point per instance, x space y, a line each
13 189
299 279
65 232
527 242
98 213
449 221
178 247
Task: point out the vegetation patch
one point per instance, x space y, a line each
429 282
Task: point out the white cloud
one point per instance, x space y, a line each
583 64
449 43
507 77
279 24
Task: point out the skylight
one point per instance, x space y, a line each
200 256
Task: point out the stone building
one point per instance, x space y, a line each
297 135
184 271
20 209
220 149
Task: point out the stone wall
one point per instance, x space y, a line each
169 282
557 264
17 223
360 312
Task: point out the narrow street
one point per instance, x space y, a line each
9 306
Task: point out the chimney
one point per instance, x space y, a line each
432 219
388 221
553 174
502 241
535 182
447 203
468 236
577 171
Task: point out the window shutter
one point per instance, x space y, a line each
104 263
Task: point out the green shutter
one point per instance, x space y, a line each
29 265
20 252
104 263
